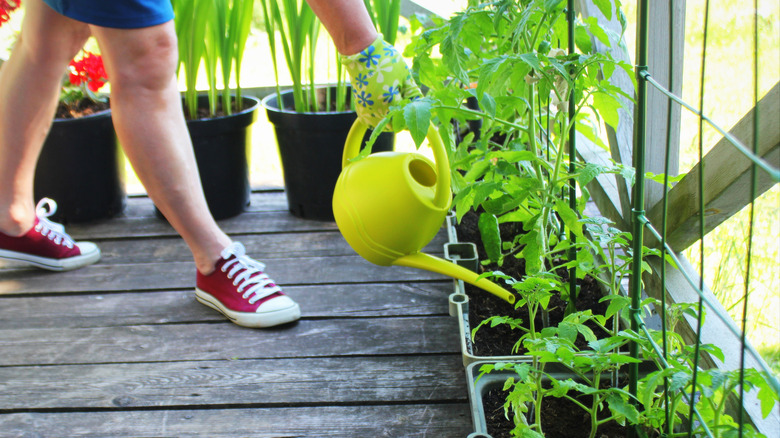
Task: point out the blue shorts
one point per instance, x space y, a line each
120 14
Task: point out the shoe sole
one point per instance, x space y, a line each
246 319
50 264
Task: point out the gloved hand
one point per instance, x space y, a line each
379 76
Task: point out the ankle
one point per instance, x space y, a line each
208 264
17 221
207 258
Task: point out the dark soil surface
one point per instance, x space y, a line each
82 108
561 418
204 113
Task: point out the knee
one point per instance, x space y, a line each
150 64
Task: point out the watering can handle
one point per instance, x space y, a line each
443 194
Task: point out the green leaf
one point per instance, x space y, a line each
562 387
527 432
567 331
768 397
679 381
605 6
491 237
582 39
463 201
597 31
514 156
488 104
483 191
619 406
608 107
569 217
616 305
477 170
455 58
532 60
551 5
659 178
532 252
586 332
417 115
588 173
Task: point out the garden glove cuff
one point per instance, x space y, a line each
379 77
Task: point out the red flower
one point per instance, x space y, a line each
89 70
6 7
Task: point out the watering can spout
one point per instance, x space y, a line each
428 262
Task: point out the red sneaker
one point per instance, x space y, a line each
46 245
240 290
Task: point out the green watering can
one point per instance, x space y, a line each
389 205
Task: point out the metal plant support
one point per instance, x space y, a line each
641 223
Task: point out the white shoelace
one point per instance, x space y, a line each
54 231
248 274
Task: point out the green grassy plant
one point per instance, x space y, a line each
213 32
385 15
297 28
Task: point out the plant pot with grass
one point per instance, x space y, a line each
212 37
222 147
311 145
312 122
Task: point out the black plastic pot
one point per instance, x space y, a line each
82 169
222 146
310 147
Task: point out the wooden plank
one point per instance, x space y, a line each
260 246
233 383
612 194
727 178
220 341
668 21
604 189
620 139
394 421
181 275
140 227
259 200
166 307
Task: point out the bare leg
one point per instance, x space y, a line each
30 86
147 113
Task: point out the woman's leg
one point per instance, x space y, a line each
147 113
30 86
149 121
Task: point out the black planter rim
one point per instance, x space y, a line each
247 109
224 123
271 104
83 119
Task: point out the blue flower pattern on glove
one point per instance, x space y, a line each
368 56
379 76
364 99
361 81
391 93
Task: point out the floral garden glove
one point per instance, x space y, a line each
379 77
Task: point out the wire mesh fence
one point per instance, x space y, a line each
703 392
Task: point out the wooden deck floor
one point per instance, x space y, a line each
121 348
